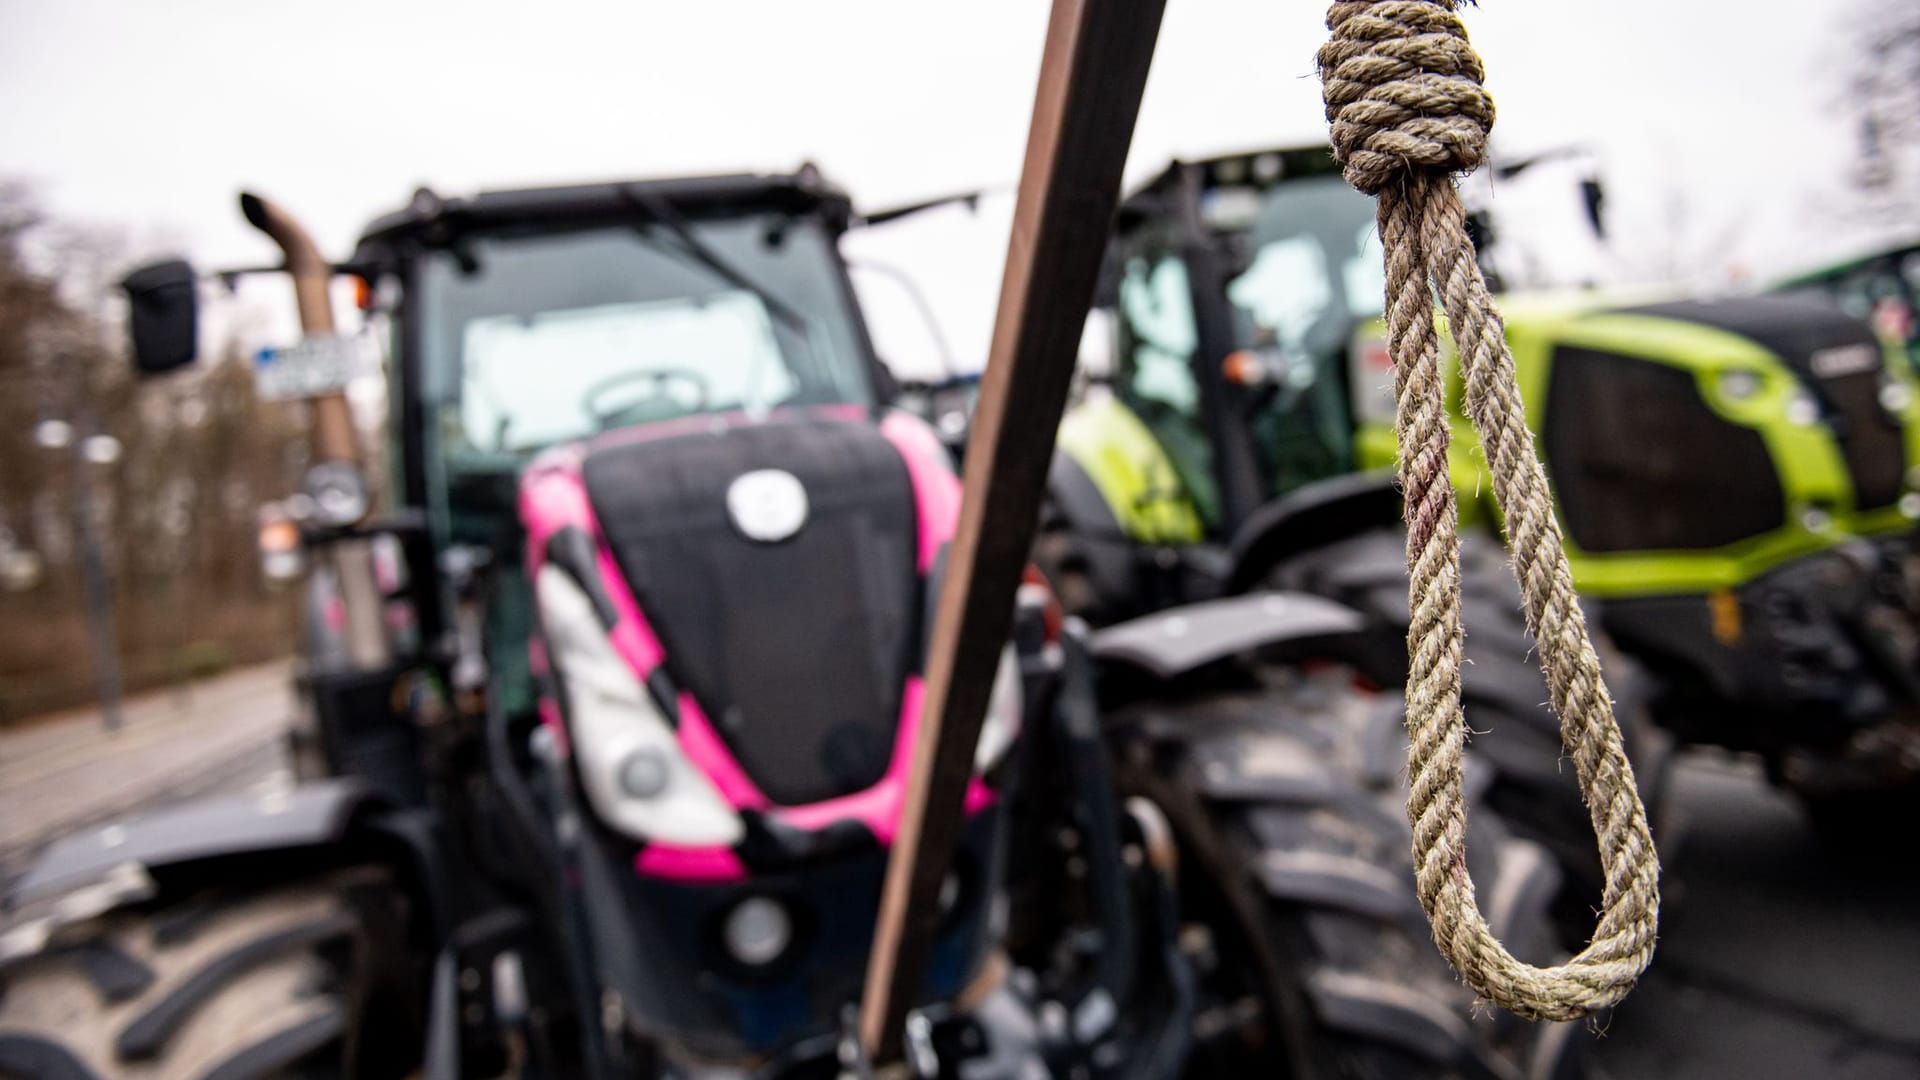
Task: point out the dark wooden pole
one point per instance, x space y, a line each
1091 79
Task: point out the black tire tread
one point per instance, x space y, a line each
1504 693
1303 782
259 970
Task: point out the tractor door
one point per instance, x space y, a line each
1239 293
1307 257
1154 373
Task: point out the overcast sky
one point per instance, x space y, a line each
1719 122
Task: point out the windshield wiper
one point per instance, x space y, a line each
662 211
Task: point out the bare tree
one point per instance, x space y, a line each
1882 91
178 507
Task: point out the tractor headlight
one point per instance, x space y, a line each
644 774
757 931
636 779
1740 384
1803 410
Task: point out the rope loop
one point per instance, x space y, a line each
1403 92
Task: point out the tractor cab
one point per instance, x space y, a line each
531 320
1238 288
1262 264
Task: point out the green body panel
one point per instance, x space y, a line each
1811 469
1131 471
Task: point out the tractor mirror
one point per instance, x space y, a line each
163 316
1594 194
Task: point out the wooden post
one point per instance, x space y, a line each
1091 78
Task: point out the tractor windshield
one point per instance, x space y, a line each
1313 270
532 340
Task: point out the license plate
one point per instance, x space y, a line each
315 367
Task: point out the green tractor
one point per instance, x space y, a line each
1736 479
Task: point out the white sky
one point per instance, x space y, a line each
1720 117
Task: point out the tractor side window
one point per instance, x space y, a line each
1158 336
1314 273
1284 292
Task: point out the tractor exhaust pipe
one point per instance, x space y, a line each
332 435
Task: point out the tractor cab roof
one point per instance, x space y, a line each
435 221
1257 169
1889 254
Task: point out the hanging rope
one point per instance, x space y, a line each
1403 92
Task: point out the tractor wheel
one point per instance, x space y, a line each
1504 694
1288 802
293 980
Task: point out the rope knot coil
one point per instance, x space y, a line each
1403 93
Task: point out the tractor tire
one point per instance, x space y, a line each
1504 694
294 980
1288 802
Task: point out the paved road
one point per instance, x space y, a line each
1777 958
66 771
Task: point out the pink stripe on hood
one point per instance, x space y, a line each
936 490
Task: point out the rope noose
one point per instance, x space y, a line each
1403 93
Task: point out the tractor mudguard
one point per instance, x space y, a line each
1078 498
1171 643
1129 471
1309 517
309 815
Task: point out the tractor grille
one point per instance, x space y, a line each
798 650
1807 336
1870 439
1641 463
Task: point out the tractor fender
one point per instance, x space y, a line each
1079 500
1171 643
1312 516
309 815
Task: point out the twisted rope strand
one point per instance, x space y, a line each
1407 109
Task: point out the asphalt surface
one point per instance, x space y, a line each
66 771
1778 958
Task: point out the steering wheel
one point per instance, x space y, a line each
655 404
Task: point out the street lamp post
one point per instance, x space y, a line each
102 450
